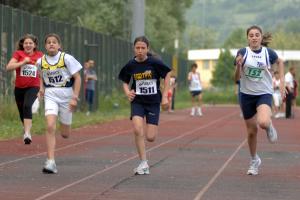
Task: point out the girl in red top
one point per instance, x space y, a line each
27 81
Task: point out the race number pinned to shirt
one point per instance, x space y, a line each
28 70
146 87
54 78
254 74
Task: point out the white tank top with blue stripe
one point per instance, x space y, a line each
256 78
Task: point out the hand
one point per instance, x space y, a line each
41 93
239 60
283 91
26 60
131 95
165 103
72 104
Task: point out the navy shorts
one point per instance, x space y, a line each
249 103
195 93
150 111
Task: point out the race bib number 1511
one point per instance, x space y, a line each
146 87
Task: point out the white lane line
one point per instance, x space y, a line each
213 179
65 147
131 158
70 146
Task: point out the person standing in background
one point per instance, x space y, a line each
90 78
289 84
173 82
277 99
195 88
27 82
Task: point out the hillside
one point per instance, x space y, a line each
224 16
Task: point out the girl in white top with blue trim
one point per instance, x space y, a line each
253 68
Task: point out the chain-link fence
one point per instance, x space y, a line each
109 53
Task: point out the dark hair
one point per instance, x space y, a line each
141 39
27 36
194 65
55 36
266 37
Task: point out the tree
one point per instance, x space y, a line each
236 39
223 73
165 21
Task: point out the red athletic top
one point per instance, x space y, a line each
28 74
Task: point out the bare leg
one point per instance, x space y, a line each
264 114
252 135
50 135
139 136
27 125
151 132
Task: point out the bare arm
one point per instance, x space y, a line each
76 90
238 67
129 93
14 64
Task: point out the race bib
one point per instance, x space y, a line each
54 78
254 74
146 87
28 70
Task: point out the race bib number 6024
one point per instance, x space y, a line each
146 87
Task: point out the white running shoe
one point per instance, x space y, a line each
50 167
253 168
272 134
199 112
277 116
193 112
142 169
27 138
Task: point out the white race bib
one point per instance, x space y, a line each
54 77
146 87
254 74
28 70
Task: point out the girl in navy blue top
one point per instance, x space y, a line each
145 96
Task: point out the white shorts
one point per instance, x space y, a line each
277 99
57 103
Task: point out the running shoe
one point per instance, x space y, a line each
254 164
27 138
50 167
142 169
272 134
199 112
193 112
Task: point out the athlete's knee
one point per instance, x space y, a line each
138 130
51 129
150 138
264 123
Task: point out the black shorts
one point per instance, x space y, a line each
249 103
150 111
195 93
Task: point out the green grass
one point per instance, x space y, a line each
111 107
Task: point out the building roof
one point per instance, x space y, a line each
213 54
